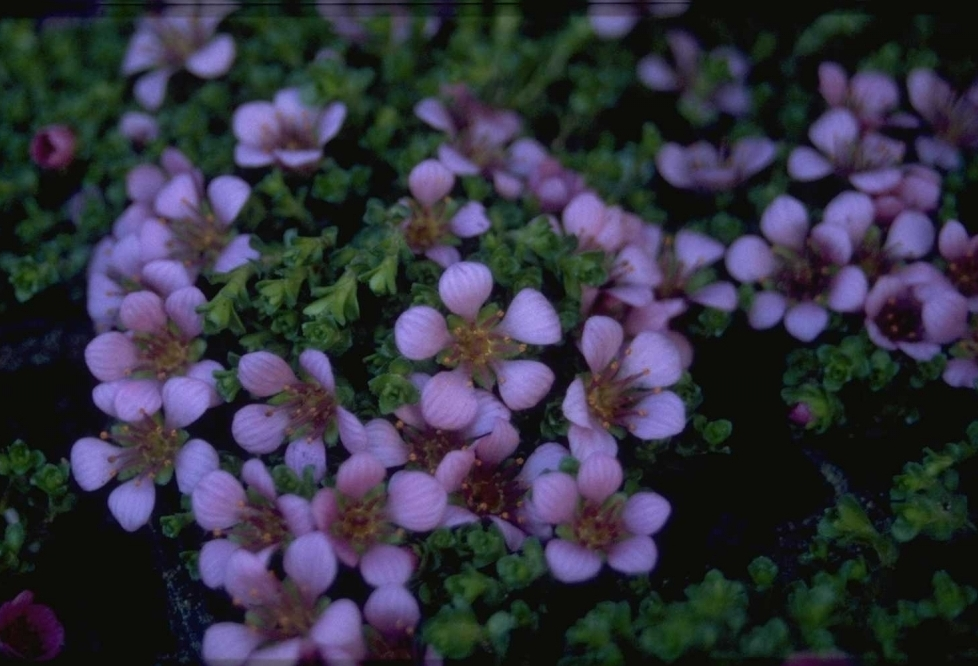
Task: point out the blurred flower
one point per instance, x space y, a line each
53 147
703 167
29 631
953 117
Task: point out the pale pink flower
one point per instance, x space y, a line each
551 184
700 97
916 311
479 135
804 272
599 226
285 131
162 343
703 167
302 411
872 96
871 161
198 232
53 147
255 519
145 452
431 228
919 189
181 38
29 631
595 523
624 387
952 117
479 342
361 514
143 184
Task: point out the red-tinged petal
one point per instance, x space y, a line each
213 561
633 556
421 332
214 59
806 164
652 359
180 199
317 364
303 453
429 181
132 503
182 306
194 461
646 513
229 643
464 287
749 259
767 310
218 500
185 400
137 398
264 374
339 631
227 196
599 477
570 562
454 469
416 501
111 356
911 235
94 462
392 610
849 289
150 89
785 222
555 497
259 429
657 416
470 220
448 401
385 564
310 563
806 321
531 318
585 442
523 384
358 474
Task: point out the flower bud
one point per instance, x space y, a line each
53 147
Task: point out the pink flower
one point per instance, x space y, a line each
915 311
547 180
805 272
197 232
29 631
286 131
53 147
481 342
183 37
361 514
870 95
144 452
702 167
953 118
624 385
140 128
428 228
919 189
302 411
597 524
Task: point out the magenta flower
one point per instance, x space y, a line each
161 344
952 117
145 452
702 167
428 229
624 387
182 38
597 524
915 311
869 160
255 519
479 136
29 631
481 342
196 232
361 514
302 411
53 147
285 131
804 273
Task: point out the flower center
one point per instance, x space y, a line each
611 398
495 490
428 447
425 227
261 525
198 239
363 522
963 272
598 527
899 319
476 346
286 616
803 276
310 409
148 447
162 355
